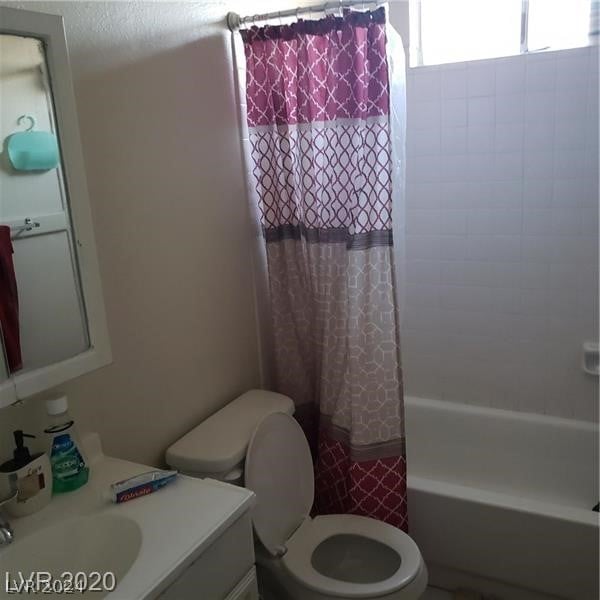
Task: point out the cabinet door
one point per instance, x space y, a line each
246 589
220 569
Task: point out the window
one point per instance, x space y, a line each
444 31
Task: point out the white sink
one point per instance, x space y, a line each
148 543
104 543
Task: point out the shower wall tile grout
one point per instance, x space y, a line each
502 232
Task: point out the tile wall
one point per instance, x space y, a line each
502 232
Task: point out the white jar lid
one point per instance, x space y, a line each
58 406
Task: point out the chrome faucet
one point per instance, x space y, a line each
7 534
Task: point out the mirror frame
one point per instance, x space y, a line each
50 30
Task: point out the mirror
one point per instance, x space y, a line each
52 324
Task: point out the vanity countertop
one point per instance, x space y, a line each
177 522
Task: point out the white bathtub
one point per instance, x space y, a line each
504 496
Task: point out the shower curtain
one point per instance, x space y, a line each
325 114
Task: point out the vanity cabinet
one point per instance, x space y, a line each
224 571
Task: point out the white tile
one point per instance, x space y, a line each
422 222
567 221
480 193
494 248
508 165
481 138
455 167
426 114
421 342
539 106
538 165
494 221
590 221
510 108
505 274
423 271
454 83
419 380
572 70
481 167
422 318
510 75
592 191
453 222
535 275
592 104
569 163
570 103
574 250
539 135
456 195
422 247
465 297
420 169
537 248
537 193
541 74
481 79
425 83
454 112
562 277
460 273
571 133
508 193
452 247
454 140
423 141
427 296
568 192
537 222
480 222
534 301
423 195
481 110
507 301
508 136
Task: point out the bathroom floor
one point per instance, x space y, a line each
436 594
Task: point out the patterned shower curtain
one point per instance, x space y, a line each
323 171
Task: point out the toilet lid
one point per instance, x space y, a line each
279 471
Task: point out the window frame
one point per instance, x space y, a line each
417 46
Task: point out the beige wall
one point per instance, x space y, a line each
158 124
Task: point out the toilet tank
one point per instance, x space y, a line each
217 447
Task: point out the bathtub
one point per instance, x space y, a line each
504 498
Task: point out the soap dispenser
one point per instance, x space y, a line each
29 476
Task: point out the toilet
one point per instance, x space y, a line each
255 441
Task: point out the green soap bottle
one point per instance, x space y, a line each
69 469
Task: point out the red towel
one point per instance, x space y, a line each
9 302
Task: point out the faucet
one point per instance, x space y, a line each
7 534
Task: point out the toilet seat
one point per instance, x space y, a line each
279 470
300 548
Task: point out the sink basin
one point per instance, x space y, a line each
103 543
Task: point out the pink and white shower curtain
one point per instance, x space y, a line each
325 158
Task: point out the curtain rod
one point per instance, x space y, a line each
234 21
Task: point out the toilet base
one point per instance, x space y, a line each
274 583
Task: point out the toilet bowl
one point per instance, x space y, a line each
254 440
326 557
